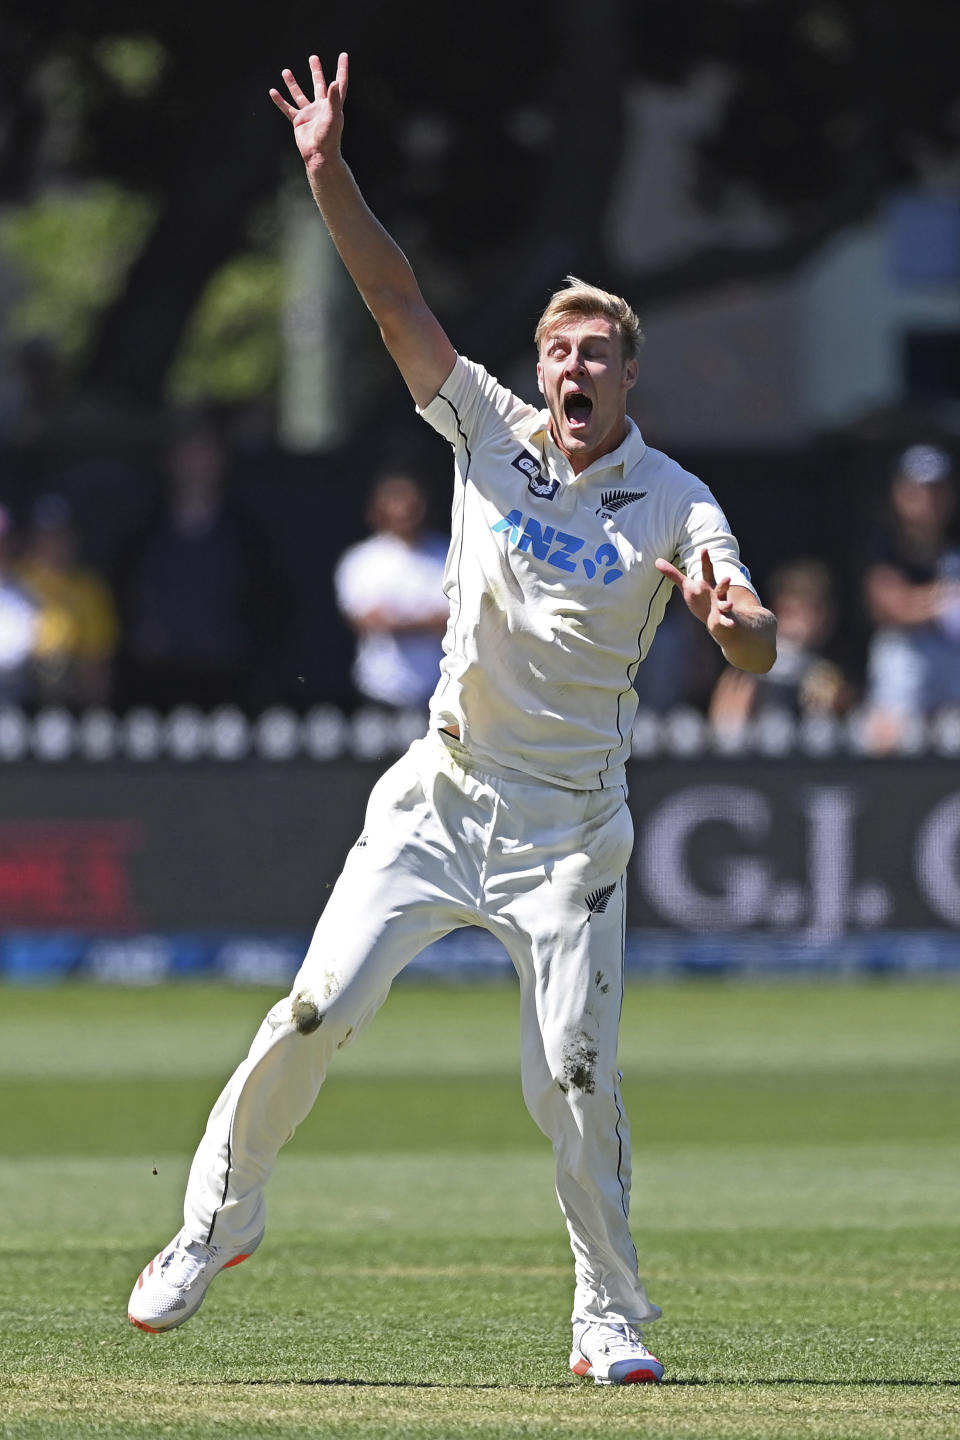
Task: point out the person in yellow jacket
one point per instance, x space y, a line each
77 628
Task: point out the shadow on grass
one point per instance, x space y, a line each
395 1384
574 1385
798 1380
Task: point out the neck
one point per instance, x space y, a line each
581 460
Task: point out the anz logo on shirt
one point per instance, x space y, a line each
558 548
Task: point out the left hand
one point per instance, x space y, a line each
317 123
706 598
747 634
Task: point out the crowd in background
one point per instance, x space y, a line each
194 604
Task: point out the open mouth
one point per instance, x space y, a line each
577 408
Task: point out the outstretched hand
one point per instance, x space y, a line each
706 598
747 635
317 123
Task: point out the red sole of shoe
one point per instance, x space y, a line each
237 1260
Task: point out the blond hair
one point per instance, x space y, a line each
579 298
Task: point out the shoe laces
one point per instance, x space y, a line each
622 1337
185 1262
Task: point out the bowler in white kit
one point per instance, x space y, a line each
568 534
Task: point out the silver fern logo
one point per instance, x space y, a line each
613 500
598 900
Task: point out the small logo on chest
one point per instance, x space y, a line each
537 484
613 500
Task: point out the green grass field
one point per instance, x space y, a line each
796 1209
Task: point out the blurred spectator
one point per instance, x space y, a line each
77 627
806 678
30 388
188 588
18 621
681 665
390 588
912 587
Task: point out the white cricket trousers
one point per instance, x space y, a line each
445 845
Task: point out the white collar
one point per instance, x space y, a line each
628 453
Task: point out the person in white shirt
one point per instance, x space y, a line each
19 621
390 588
511 813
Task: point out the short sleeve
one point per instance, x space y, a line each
703 525
472 405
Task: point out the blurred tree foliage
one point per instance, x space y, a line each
72 250
231 345
488 142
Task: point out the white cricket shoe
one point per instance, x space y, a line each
171 1288
613 1355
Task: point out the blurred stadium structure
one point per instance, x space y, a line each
777 188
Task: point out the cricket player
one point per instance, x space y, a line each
510 814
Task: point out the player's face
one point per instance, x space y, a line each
585 379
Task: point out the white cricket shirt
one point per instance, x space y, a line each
554 595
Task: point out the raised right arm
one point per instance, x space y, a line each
377 265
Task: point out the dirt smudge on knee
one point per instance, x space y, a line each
306 1013
579 1064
